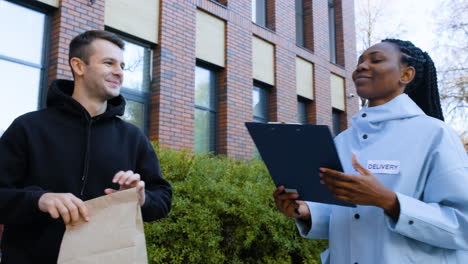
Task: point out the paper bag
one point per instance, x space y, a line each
114 233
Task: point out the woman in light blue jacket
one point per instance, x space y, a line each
403 166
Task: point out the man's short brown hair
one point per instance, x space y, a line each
80 46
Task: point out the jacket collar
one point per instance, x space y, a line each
60 94
398 108
372 120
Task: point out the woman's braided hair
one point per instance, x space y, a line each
423 89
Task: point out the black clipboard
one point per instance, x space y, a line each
294 153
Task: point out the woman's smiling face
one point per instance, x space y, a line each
378 75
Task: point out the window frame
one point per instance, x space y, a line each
214 101
131 94
306 102
44 67
264 92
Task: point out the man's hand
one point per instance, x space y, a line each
364 189
289 206
128 180
65 205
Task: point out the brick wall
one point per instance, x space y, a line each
172 88
172 99
285 68
70 19
349 36
238 88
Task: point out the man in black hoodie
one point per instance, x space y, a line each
76 149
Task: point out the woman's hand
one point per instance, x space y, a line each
289 206
363 189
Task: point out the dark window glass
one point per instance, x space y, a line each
336 122
302 111
332 30
205 111
22 64
223 2
300 22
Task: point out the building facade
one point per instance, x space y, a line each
196 69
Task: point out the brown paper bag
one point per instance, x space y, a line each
114 233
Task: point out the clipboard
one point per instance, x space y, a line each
293 154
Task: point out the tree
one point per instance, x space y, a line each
375 21
373 25
452 30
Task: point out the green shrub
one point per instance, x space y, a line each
223 212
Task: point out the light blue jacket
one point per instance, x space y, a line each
423 161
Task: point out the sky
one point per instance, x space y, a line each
416 21
417 18
411 19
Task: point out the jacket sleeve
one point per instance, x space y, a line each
440 218
320 221
158 191
18 203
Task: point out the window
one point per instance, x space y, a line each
260 100
205 110
22 57
337 115
302 112
263 13
332 30
300 22
136 85
259 12
304 24
223 2
260 104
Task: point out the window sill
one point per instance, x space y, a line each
264 27
218 3
338 65
304 48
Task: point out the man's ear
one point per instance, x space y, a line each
77 66
407 74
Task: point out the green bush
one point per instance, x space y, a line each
223 212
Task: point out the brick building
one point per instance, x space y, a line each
197 69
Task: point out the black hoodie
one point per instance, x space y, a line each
63 149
